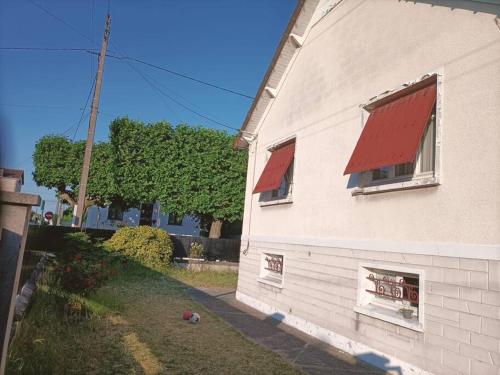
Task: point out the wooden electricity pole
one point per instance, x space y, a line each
78 217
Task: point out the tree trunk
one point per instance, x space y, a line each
66 197
215 229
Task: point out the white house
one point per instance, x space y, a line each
372 209
99 218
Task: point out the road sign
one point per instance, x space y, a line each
42 206
49 215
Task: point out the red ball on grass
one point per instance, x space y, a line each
186 315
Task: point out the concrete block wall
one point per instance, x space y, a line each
462 304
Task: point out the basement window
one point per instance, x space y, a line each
271 269
391 293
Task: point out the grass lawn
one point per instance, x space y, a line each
134 326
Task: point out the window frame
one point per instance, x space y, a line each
368 185
368 179
378 307
265 275
175 221
270 198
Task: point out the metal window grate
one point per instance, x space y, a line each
274 263
396 290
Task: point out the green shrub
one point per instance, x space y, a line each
82 267
196 250
147 245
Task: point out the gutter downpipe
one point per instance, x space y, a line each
245 251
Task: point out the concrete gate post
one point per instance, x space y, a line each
15 211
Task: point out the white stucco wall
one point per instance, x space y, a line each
361 49
357 51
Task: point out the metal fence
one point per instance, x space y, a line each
213 248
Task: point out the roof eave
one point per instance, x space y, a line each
240 142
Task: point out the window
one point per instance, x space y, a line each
285 189
423 166
271 269
393 294
115 213
276 181
398 147
174 219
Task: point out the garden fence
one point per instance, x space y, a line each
48 238
213 248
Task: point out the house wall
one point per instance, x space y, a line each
131 218
357 51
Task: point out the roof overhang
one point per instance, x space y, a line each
290 41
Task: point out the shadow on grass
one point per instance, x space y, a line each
312 355
134 324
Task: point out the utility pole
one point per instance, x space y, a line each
78 217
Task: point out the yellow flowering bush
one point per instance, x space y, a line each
147 245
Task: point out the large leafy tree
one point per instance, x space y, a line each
58 165
190 170
138 151
214 182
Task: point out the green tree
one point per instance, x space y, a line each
190 170
55 161
138 150
217 174
58 165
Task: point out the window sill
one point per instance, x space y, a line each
390 316
277 283
416 183
275 202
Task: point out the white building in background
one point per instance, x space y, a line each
98 218
372 210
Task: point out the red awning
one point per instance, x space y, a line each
275 169
393 131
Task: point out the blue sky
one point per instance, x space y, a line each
226 42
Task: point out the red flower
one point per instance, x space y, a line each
68 269
78 257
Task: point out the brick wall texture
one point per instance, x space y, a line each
462 304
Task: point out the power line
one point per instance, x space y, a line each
124 57
82 116
182 97
72 126
177 74
180 103
94 52
34 106
62 21
44 49
161 92
141 75
92 34
188 77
